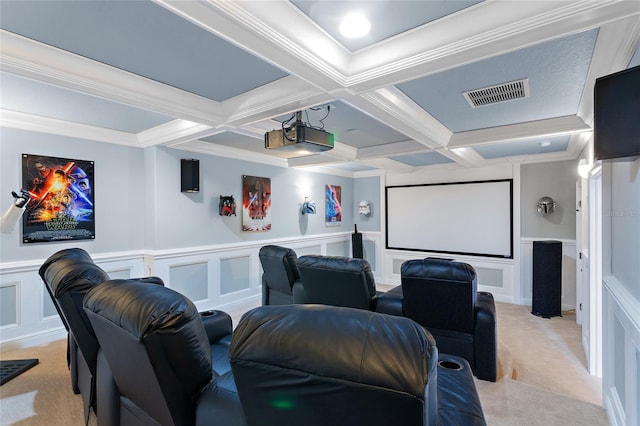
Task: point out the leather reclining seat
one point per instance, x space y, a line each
158 350
280 277
318 365
337 281
69 275
442 296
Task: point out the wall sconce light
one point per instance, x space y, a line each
308 206
546 205
584 168
364 208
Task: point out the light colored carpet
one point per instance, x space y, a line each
543 378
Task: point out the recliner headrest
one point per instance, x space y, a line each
71 270
336 342
153 311
441 269
344 264
282 256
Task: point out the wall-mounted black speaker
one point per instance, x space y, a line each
189 175
547 279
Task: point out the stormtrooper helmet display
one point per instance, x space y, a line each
364 208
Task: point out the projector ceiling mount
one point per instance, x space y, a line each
300 136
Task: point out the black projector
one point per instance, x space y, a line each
299 138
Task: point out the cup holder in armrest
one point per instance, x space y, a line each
450 365
208 313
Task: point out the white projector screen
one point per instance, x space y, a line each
469 218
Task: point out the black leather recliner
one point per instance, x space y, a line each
318 365
69 275
158 350
337 281
442 296
280 275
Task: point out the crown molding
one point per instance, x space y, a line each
34 123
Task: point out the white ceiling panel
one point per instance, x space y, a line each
213 77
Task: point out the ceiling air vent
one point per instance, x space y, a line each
496 94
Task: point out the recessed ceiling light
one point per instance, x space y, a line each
354 25
545 143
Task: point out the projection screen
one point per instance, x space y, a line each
469 218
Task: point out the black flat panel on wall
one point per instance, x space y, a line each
547 279
189 175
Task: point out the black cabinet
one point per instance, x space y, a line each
547 279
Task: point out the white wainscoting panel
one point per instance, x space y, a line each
621 354
495 275
215 277
34 311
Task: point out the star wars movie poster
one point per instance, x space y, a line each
61 206
256 203
333 211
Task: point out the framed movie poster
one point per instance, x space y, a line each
333 200
256 203
61 206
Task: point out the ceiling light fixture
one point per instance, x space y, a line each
354 25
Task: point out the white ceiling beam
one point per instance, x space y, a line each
465 156
533 129
339 154
389 165
35 123
625 35
397 148
395 109
32 59
487 29
230 152
174 132
277 98
279 34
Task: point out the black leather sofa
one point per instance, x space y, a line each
318 365
442 296
280 275
337 281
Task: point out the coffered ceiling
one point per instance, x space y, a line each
214 76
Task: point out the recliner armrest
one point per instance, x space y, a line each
298 292
485 340
217 324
